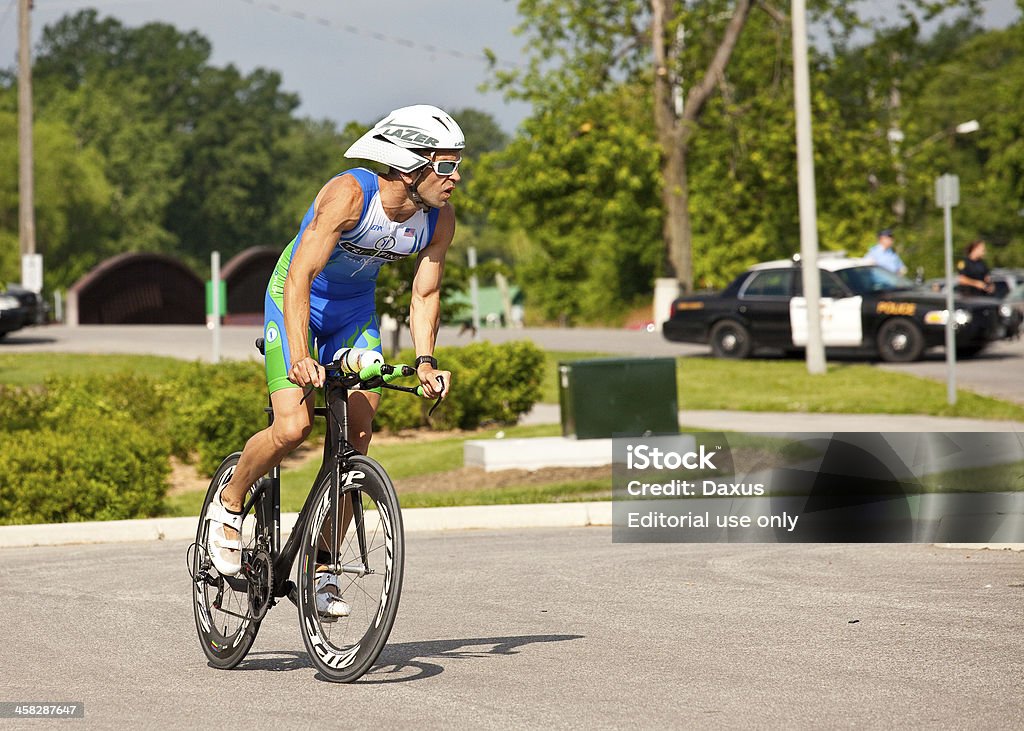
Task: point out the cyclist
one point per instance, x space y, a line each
321 298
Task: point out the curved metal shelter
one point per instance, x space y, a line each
138 288
246 276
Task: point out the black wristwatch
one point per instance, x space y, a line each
421 359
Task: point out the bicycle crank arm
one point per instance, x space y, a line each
229 612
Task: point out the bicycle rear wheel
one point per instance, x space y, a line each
222 605
369 560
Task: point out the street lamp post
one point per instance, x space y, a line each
964 128
896 137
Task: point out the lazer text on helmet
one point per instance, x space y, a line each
411 135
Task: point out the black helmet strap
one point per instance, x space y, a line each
413 188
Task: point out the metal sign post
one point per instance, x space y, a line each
947 195
474 292
216 305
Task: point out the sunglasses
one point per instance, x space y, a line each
445 168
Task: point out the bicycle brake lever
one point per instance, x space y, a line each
440 382
306 395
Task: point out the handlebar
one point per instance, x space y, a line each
377 375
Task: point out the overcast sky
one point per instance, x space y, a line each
428 52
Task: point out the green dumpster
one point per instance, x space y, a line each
603 397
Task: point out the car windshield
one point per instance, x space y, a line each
868 279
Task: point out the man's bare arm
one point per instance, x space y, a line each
425 308
337 209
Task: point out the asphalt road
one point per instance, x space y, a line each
999 371
547 628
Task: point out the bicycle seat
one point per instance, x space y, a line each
260 346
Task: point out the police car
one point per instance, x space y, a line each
863 308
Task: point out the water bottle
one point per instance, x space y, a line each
353 360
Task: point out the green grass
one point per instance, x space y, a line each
996 478
558 492
402 460
419 457
188 504
703 383
183 504
785 385
760 385
29 369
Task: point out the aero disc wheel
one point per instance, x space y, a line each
222 606
368 560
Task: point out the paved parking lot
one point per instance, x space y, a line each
548 628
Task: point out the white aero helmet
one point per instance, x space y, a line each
419 127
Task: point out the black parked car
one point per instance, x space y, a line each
1013 309
19 308
1006 287
864 308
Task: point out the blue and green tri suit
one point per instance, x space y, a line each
341 301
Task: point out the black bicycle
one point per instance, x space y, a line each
349 526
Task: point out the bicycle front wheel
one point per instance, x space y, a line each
366 552
222 604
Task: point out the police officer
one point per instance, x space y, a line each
883 254
972 276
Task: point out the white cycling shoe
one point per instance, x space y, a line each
226 553
329 604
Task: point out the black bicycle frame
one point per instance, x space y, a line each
337 451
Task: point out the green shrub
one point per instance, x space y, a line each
490 384
102 397
89 468
21 408
212 410
213 427
96 447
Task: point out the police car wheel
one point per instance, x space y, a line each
729 339
900 341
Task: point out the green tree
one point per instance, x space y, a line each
310 154
72 198
138 158
229 169
979 79
692 61
582 181
200 157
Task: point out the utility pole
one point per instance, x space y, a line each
31 263
26 183
815 349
